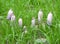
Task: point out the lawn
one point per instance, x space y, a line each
12 33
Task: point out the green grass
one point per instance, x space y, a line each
26 9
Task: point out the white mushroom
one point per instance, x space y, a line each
10 13
49 19
20 22
25 30
12 17
33 22
40 15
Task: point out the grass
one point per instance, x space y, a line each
11 33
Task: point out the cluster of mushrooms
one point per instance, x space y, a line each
12 17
